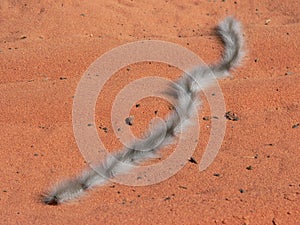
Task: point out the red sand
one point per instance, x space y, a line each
45 46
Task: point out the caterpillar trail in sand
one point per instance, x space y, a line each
185 92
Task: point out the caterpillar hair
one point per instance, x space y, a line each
185 92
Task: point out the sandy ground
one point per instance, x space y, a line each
45 47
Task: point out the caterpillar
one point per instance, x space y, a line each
185 91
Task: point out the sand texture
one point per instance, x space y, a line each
46 46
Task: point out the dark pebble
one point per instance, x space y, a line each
242 191
167 198
231 116
192 160
249 168
206 118
105 129
128 121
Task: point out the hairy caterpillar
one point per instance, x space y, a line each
185 91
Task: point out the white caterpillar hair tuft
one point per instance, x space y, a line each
185 92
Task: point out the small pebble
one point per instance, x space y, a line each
192 160
249 168
129 121
206 118
231 116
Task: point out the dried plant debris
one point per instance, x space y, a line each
182 187
267 21
231 116
207 118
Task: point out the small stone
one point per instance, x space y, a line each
167 198
249 168
231 116
192 160
129 121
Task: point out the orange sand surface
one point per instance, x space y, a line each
45 47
